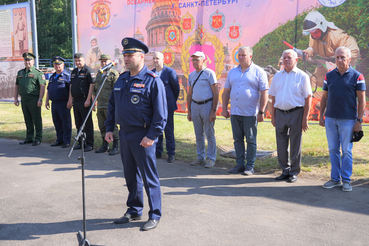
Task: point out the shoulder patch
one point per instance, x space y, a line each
152 74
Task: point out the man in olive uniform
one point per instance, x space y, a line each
82 81
102 103
58 93
30 85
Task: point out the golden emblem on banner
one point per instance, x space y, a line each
172 35
100 14
182 97
187 23
203 37
168 56
235 54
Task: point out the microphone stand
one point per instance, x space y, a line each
82 240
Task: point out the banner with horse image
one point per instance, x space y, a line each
178 28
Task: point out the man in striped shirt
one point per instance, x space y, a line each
342 116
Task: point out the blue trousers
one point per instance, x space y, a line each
339 133
169 137
245 126
62 121
139 165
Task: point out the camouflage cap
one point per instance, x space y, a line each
28 56
105 57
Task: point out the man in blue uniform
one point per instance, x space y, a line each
170 80
58 93
138 104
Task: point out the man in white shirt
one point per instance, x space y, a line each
246 86
291 101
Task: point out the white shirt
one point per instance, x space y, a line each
290 89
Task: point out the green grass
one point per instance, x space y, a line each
315 156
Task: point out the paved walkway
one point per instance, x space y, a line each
41 204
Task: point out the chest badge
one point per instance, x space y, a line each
137 85
135 99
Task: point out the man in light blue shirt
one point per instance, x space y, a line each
247 87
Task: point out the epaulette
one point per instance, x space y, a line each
38 69
152 73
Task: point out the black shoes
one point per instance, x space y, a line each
66 145
237 169
57 144
150 224
78 146
170 159
36 142
282 177
127 218
88 148
26 142
158 155
286 177
292 178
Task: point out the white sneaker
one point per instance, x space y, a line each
209 163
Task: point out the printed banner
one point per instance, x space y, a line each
178 28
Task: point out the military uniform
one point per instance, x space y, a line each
102 105
138 104
58 93
29 82
80 84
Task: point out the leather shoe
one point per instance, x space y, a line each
170 159
282 177
36 142
158 155
127 218
88 148
26 142
237 169
65 145
78 146
150 224
292 179
57 144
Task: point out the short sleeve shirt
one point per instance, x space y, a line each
290 89
245 89
202 90
342 89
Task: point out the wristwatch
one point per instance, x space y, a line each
261 112
360 120
40 100
214 109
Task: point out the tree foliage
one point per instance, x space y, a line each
53 27
352 17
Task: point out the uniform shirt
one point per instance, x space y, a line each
29 82
137 103
341 101
331 41
245 89
290 89
58 86
81 81
202 90
103 99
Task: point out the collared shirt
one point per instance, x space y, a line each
29 82
202 90
81 81
245 89
137 103
342 89
290 89
58 86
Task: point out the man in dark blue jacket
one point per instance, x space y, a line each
139 105
170 80
58 93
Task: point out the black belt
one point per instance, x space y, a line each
290 110
202 102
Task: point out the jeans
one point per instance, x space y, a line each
204 127
244 126
339 133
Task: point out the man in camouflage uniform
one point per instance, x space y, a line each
102 104
30 85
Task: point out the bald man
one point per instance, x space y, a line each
170 80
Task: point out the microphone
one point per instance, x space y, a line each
107 67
